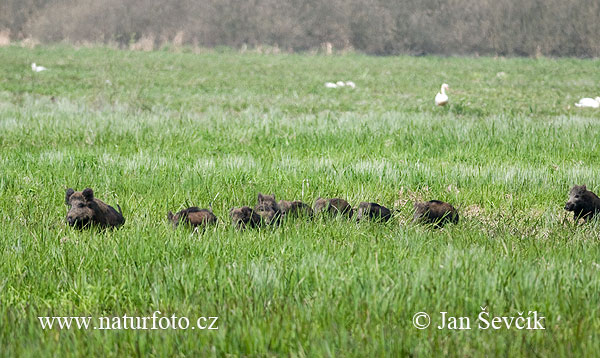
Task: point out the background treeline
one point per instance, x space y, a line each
382 27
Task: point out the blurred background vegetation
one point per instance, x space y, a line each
380 27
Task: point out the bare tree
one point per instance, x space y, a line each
502 27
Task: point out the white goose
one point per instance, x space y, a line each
441 99
589 102
35 68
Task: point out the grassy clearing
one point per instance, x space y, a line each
158 131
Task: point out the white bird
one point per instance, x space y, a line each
350 84
37 68
340 83
441 99
589 102
330 85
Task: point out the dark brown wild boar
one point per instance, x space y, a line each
244 217
583 203
335 206
294 208
85 210
268 209
435 212
372 211
193 217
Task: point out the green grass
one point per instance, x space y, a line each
174 129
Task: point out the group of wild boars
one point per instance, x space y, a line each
86 210
267 211
433 212
365 211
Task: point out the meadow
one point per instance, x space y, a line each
159 131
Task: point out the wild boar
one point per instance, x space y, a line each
335 206
435 212
268 209
244 217
294 208
372 211
85 210
193 216
583 203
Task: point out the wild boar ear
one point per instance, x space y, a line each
170 216
583 187
88 194
68 196
260 196
273 195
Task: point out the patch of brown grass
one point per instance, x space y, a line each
145 43
4 38
407 196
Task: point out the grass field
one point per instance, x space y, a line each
158 131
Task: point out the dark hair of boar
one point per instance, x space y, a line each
335 206
244 217
372 211
583 203
294 208
435 212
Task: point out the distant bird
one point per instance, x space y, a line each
37 68
350 84
589 102
330 85
441 99
340 83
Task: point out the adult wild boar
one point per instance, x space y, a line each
85 210
583 203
